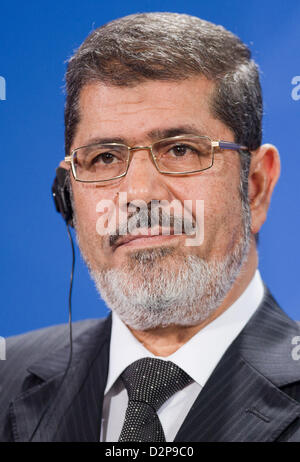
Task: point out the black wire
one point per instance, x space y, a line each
70 338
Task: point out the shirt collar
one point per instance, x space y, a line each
208 345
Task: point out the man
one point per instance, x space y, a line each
149 97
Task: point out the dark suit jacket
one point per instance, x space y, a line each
252 395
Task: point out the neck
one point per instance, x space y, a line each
163 341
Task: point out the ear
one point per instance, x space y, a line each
64 165
263 175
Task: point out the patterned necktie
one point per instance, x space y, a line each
149 383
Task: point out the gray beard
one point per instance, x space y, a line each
159 288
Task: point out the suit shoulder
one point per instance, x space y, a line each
36 343
270 301
25 349
50 334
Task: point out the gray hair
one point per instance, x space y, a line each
171 46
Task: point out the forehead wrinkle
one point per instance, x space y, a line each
145 109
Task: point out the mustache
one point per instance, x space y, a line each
152 216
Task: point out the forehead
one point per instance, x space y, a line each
134 113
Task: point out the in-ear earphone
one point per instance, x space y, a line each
61 195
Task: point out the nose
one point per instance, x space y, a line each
143 181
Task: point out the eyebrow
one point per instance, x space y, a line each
153 135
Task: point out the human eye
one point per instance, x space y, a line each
182 150
188 154
105 158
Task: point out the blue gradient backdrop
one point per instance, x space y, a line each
35 40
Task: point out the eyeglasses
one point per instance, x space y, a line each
179 155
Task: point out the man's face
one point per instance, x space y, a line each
139 116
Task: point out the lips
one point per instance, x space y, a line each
143 237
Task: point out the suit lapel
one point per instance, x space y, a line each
238 404
242 400
74 413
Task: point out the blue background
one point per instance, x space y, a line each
35 40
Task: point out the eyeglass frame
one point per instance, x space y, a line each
221 144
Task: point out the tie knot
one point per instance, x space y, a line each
153 381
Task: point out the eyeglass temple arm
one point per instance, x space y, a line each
229 145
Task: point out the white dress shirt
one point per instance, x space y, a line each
198 358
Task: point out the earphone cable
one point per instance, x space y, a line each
70 338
